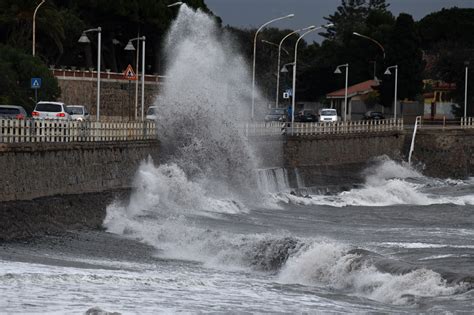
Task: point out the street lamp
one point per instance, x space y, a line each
466 63
387 72
372 40
255 55
34 26
279 58
338 71
85 39
131 47
174 4
293 92
273 44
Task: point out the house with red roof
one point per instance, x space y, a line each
356 97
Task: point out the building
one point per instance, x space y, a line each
357 99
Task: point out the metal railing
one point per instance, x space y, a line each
35 130
467 122
302 129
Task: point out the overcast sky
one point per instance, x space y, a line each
253 13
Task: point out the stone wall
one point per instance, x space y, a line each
445 153
117 96
33 170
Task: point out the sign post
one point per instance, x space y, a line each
35 85
129 75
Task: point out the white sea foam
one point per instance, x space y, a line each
387 183
329 264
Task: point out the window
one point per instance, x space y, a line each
48 107
9 111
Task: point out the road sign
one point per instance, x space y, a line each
35 83
129 74
286 95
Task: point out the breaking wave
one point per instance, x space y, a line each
389 183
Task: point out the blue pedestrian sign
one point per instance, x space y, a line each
35 83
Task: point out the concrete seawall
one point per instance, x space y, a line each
48 188
53 187
33 170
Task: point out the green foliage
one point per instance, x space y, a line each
17 69
403 50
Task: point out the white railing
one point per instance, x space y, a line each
32 130
467 122
303 129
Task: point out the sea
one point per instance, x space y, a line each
209 229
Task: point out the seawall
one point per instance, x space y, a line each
53 187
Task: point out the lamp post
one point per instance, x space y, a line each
34 26
255 55
387 72
85 39
372 40
174 4
131 47
466 63
338 71
293 92
277 99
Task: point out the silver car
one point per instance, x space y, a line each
51 110
12 112
78 112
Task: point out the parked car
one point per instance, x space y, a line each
306 115
328 115
373 116
12 111
51 110
151 113
276 114
78 112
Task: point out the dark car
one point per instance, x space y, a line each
276 114
12 111
306 115
373 116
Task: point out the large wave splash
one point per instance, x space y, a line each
387 183
203 106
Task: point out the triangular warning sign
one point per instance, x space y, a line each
129 74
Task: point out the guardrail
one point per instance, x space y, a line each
35 130
467 122
302 129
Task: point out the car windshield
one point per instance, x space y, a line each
328 112
76 110
48 107
9 111
151 111
277 111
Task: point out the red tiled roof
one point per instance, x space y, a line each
359 88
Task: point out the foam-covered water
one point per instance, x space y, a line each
229 237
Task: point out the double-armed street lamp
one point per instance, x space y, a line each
338 71
293 92
34 26
255 55
388 72
84 39
277 99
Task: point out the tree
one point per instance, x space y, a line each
403 49
17 69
